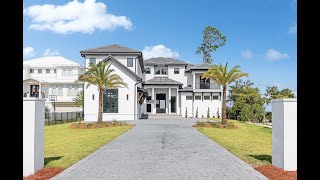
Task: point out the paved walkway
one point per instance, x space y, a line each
161 149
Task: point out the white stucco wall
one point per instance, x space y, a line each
126 109
284 133
181 77
33 135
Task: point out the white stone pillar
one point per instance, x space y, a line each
284 133
154 102
33 135
178 102
169 97
194 80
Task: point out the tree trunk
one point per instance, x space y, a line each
100 106
224 106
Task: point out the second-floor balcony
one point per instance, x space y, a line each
207 86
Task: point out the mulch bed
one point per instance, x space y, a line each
44 174
274 173
229 125
97 125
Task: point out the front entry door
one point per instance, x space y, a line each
160 103
173 104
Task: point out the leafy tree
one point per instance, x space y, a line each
273 93
78 100
222 76
212 40
247 103
103 77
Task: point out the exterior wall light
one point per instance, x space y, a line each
92 96
127 96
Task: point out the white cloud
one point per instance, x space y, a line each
293 29
275 55
159 51
49 52
74 16
28 52
247 54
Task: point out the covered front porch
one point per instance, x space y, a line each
35 88
162 100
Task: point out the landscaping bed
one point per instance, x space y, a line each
44 174
94 125
274 173
210 124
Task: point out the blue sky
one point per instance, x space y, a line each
261 34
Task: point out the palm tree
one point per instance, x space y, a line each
103 77
222 76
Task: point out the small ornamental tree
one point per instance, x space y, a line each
218 114
208 113
186 115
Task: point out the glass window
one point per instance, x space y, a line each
67 71
55 71
54 90
129 62
31 71
70 73
206 97
148 70
161 70
92 61
60 92
176 70
110 101
188 97
215 97
48 71
39 70
149 98
197 97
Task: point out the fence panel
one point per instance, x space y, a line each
62 117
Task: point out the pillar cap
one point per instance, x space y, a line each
284 100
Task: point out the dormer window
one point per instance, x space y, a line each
129 62
148 71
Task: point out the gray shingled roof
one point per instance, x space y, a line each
203 66
186 89
162 81
114 48
164 61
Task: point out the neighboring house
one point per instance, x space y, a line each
53 77
156 85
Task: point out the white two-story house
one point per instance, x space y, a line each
53 78
155 86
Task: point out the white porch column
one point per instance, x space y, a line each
178 101
39 96
194 80
169 94
154 102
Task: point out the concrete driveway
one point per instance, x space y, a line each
161 149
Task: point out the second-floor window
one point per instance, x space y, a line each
48 71
92 61
39 71
148 70
31 71
129 62
176 70
55 71
72 89
161 70
57 90
67 71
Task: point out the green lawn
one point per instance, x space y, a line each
64 146
249 142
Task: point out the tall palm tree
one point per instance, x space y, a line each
103 77
222 76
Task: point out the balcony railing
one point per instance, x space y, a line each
207 86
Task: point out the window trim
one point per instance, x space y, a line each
149 70
160 68
188 97
176 72
197 96
128 62
109 100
